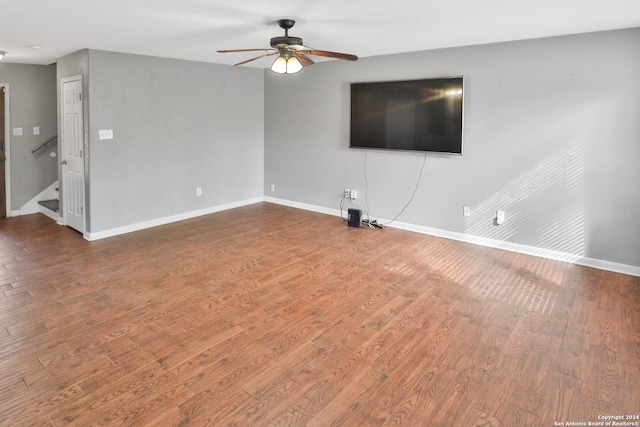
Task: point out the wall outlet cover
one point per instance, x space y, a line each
105 134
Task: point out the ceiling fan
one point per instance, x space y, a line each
292 54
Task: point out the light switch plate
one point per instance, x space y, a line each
105 134
17 131
36 130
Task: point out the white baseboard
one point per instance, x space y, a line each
304 206
482 241
51 214
167 220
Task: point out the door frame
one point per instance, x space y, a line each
7 150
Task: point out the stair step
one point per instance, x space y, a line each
53 204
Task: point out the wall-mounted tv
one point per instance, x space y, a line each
413 115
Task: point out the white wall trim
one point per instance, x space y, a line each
7 148
482 241
168 219
51 214
304 206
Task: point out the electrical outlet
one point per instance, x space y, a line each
198 191
347 193
466 211
273 187
500 217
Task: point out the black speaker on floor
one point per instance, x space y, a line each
354 218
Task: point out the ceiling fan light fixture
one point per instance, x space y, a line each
293 65
286 64
279 65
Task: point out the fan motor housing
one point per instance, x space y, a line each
282 41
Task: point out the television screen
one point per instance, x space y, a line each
418 115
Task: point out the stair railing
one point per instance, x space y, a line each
44 144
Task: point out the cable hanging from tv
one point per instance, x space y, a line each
374 223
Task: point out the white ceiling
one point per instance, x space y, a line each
196 29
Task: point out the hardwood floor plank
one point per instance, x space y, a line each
275 316
475 418
67 374
198 342
232 369
349 399
562 393
461 393
515 416
369 414
574 353
199 365
489 352
340 368
423 399
628 377
497 389
283 371
381 340
279 396
629 352
158 407
103 394
464 350
522 338
30 407
531 388
11 387
602 379
298 413
603 327
207 414
172 418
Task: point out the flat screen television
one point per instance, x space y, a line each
413 115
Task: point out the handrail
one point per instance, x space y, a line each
44 144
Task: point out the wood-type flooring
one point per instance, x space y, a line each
271 316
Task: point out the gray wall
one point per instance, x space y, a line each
33 103
177 125
551 136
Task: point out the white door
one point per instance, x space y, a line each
72 161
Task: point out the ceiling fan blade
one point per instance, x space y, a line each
304 59
246 50
257 57
337 55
